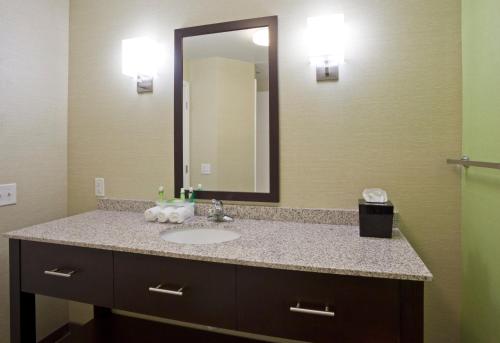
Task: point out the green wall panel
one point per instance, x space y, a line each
481 187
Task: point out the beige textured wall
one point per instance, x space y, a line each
33 127
236 122
391 120
203 126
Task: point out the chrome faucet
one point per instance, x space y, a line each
216 213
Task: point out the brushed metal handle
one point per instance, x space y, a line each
159 289
57 272
325 313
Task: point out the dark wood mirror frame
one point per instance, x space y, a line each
180 34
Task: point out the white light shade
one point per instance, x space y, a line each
261 37
140 57
326 36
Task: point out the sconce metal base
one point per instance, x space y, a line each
144 85
327 73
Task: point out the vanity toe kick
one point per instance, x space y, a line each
192 291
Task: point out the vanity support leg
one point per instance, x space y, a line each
22 305
101 312
412 311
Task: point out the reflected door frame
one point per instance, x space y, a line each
185 133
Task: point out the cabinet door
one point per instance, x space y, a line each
67 272
191 291
317 307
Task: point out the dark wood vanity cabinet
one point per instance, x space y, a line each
290 304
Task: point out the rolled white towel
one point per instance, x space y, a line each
181 214
152 214
164 214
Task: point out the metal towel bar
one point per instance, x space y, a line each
466 162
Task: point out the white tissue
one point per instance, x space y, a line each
164 214
152 214
181 214
376 195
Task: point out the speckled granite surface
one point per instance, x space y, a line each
298 215
273 244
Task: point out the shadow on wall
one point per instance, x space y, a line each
438 308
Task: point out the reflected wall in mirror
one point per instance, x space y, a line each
226 81
226 112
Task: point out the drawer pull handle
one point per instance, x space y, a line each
159 289
325 313
59 273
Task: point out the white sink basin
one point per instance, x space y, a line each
199 236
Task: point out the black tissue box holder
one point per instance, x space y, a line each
375 219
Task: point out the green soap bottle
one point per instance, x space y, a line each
191 194
161 194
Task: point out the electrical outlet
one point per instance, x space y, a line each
206 169
99 187
8 194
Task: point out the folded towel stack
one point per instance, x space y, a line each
151 214
169 214
181 214
164 215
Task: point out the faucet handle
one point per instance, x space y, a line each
217 212
217 204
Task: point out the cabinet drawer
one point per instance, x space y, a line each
277 303
62 271
192 291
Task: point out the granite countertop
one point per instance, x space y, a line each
323 248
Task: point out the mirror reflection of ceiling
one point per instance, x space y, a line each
236 45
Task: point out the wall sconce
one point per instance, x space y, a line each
326 37
140 60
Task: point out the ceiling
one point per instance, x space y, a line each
234 44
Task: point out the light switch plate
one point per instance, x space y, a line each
8 194
206 169
99 187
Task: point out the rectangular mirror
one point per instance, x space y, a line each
226 110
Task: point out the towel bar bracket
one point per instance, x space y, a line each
466 162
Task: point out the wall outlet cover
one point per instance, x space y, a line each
99 187
206 169
8 194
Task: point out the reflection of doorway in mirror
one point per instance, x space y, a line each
262 176
255 138
222 120
185 133
228 78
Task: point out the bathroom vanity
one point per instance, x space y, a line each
304 281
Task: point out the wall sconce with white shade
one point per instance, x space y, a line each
140 60
326 35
